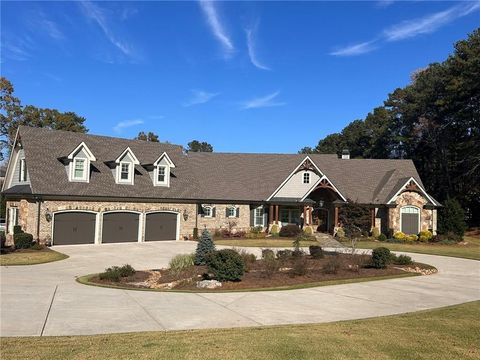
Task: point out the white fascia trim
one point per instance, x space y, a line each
90 155
292 173
324 177
394 197
169 161
8 179
127 150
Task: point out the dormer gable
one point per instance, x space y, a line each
162 170
125 167
79 163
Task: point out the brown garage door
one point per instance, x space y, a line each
410 219
120 227
71 228
161 226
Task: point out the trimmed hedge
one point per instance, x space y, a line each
226 265
380 257
23 240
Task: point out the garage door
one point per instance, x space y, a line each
410 220
161 226
120 227
71 228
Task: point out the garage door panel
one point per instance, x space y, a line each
120 227
161 227
73 228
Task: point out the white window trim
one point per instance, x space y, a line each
86 167
12 219
234 208
303 177
130 173
255 224
166 182
22 170
211 211
419 217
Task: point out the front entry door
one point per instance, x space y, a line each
320 218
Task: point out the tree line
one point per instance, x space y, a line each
435 121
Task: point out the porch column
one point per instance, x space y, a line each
270 214
310 215
335 222
372 217
305 215
276 214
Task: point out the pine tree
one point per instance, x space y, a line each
451 218
204 247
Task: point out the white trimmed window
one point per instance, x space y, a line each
258 216
207 211
22 174
79 169
231 212
162 176
306 178
125 172
12 219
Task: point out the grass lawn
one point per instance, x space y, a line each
30 257
469 251
448 333
263 243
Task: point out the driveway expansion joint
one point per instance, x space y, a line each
48 311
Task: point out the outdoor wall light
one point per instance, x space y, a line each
48 215
185 215
320 203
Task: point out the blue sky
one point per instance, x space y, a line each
244 76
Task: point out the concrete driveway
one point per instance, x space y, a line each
45 300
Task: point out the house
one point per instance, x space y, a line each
73 188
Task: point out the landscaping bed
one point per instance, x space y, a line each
258 276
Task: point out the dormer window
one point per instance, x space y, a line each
162 170
79 171
125 167
79 163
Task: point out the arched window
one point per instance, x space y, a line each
410 220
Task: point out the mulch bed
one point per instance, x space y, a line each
350 267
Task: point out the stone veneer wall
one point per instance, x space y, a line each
27 215
427 216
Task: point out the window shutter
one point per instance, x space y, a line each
252 216
200 210
265 216
214 211
226 212
238 212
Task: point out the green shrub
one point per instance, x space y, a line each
267 252
399 236
380 257
375 232
204 247
195 233
274 230
181 262
284 255
226 265
299 266
340 233
411 238
382 237
256 229
425 236
23 240
451 218
270 264
403 260
114 273
17 229
37 246
289 230
248 259
308 230
126 270
332 265
315 251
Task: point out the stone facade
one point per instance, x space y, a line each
28 215
411 198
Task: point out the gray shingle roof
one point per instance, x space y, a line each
201 176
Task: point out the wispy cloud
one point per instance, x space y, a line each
200 97
99 16
384 3
251 44
263 101
218 30
411 28
126 124
39 22
355 49
429 24
18 48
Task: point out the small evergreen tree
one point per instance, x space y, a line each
204 247
451 218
